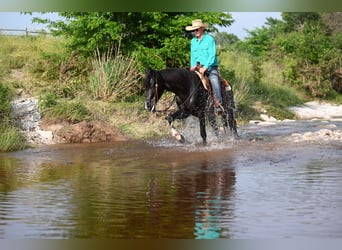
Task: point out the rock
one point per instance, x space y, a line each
318 110
267 118
320 135
94 131
28 119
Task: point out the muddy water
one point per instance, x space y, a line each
261 186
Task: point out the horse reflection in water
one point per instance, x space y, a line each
200 204
191 98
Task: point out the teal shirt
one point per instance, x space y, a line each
203 51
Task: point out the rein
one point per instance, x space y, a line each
156 96
174 98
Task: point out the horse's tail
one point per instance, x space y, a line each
228 91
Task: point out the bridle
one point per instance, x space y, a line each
156 97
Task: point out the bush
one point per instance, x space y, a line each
73 111
5 105
11 139
114 76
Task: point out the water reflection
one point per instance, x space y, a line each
128 190
144 190
214 191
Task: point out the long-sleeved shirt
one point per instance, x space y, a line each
203 51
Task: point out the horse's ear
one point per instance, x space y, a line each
148 71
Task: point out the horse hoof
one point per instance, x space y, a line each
180 138
237 136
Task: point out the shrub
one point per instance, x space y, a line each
5 105
11 139
114 76
73 111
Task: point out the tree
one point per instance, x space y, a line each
158 38
295 21
311 55
308 46
224 39
333 20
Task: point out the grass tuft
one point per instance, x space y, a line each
114 76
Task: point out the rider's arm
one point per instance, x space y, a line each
211 59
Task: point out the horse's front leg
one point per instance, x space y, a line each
179 114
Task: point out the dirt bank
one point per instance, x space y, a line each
28 119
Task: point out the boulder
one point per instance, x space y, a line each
94 131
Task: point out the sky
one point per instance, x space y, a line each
243 21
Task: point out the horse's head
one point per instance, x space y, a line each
152 91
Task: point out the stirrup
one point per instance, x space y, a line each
219 110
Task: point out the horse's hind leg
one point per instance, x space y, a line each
232 122
203 132
224 121
230 105
212 121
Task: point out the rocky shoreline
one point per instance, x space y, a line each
328 114
29 120
319 111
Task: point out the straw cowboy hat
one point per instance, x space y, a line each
196 24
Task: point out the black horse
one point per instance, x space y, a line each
191 98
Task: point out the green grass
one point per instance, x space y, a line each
108 87
114 77
269 94
72 111
11 139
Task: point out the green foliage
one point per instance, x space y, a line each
269 90
281 96
155 35
70 110
304 44
149 58
311 59
5 105
48 101
224 39
47 65
11 139
114 76
237 62
295 21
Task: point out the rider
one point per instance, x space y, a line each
203 50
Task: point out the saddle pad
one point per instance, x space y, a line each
204 79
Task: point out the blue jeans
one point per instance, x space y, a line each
215 83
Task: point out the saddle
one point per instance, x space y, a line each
206 82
